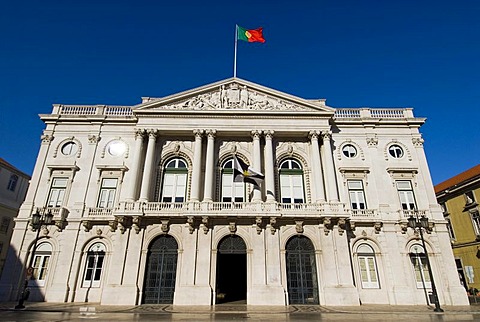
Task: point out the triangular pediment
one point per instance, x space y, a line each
233 94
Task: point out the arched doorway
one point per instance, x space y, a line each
231 282
302 283
161 271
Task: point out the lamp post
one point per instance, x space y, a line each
422 223
37 222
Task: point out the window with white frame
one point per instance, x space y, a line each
395 151
405 192
349 151
12 183
231 191
291 182
93 265
106 198
41 261
174 181
420 267
57 192
367 266
451 232
357 194
475 216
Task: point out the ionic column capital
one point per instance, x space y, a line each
139 133
152 134
198 133
326 135
269 134
314 134
211 133
256 134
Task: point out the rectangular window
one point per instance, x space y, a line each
57 192
174 187
93 270
40 269
476 222
357 195
12 183
292 188
419 262
368 271
405 193
107 193
232 191
451 232
4 225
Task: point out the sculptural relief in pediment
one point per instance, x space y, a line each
234 96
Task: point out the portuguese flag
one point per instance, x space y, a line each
250 35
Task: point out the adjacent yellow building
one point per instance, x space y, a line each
459 197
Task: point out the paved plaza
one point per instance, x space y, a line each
85 311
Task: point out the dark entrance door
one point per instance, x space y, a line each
301 271
231 270
161 271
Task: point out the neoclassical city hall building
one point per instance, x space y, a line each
145 208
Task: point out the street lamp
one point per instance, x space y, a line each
422 223
37 222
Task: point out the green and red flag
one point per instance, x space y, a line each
250 35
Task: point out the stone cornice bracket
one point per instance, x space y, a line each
273 222
315 134
255 134
342 224
93 139
113 224
269 133
403 227
46 138
122 224
211 133
232 227
378 227
165 226
299 226
258 225
87 225
60 224
136 222
205 224
430 227
191 224
327 225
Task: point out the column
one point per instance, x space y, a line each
209 166
149 159
257 194
132 186
332 194
317 167
197 166
269 166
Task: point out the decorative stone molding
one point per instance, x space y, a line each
342 224
211 133
140 134
358 173
198 133
406 151
165 226
256 134
326 135
87 225
122 224
299 226
105 147
327 225
99 232
66 140
403 227
360 153
113 224
136 222
269 134
314 134
46 138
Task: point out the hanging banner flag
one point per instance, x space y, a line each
250 35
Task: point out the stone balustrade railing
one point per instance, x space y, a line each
377 113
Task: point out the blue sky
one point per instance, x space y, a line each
420 54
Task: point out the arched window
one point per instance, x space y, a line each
41 261
94 265
231 191
174 181
367 266
291 182
420 266
12 183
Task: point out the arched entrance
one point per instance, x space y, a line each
302 283
161 271
231 282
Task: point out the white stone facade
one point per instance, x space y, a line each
144 211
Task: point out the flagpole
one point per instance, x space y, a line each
235 58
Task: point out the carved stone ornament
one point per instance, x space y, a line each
113 224
418 142
232 227
234 96
93 139
136 221
327 225
273 221
372 141
191 222
258 225
403 227
341 226
299 226
45 230
122 224
165 226
205 224
87 225
99 232
378 227
46 138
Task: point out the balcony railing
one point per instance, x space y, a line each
363 213
99 212
377 113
